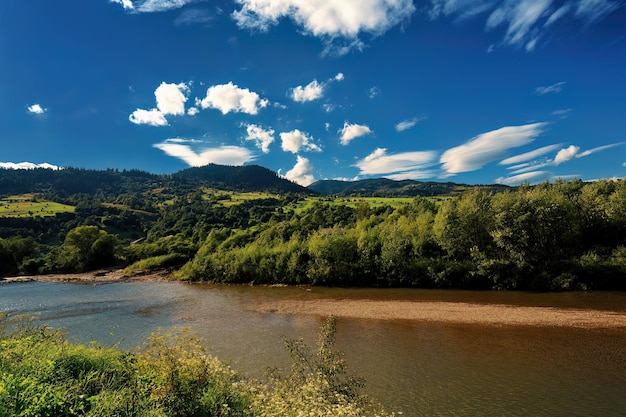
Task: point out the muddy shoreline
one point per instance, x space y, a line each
431 311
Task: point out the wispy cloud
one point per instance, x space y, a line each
224 155
193 17
533 176
230 98
36 109
302 172
337 23
488 147
374 91
528 156
151 6
554 88
262 137
408 124
352 131
297 140
407 163
28 165
525 21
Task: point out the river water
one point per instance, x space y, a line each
417 368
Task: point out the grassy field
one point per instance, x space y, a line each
234 198
27 205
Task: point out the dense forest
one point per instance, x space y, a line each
201 226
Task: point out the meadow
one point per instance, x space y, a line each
29 205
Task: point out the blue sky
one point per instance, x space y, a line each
470 91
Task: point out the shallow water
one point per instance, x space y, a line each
421 369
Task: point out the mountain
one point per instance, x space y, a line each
241 178
383 187
110 182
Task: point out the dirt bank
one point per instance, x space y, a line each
453 312
99 276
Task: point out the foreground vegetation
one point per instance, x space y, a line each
172 375
565 235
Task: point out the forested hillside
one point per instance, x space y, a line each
566 235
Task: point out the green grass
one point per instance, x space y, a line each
234 198
27 205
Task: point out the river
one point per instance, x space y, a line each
414 367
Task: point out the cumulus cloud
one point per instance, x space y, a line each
353 131
525 21
223 155
151 6
312 91
230 98
488 147
566 154
554 88
408 124
408 163
339 76
148 117
262 137
28 165
523 178
528 156
36 109
338 23
171 98
302 172
296 140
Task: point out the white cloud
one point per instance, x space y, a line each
302 172
193 17
566 154
526 21
379 162
151 6
229 97
353 131
599 149
624 164
36 109
374 91
27 165
262 137
171 98
529 155
148 117
408 124
310 92
223 155
523 178
330 20
554 88
127 4
192 111
339 76
488 147
295 140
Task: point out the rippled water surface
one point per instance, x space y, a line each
421 369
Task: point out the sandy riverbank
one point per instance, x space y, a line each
451 312
433 311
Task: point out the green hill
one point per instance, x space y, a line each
383 187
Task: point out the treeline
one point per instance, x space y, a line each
567 235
